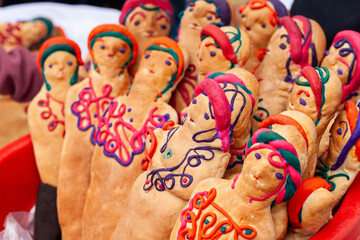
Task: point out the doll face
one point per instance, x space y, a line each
256 23
339 64
339 134
302 99
211 58
60 65
144 23
198 15
32 32
111 52
279 48
260 174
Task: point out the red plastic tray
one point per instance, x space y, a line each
19 180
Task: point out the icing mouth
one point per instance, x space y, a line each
109 55
151 71
194 26
149 33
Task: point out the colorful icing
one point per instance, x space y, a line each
316 81
322 170
239 152
209 225
295 204
352 38
48 113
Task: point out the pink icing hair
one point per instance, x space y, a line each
222 39
221 108
299 51
129 5
315 82
354 38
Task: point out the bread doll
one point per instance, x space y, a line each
146 20
259 19
221 49
184 155
29 34
317 93
197 14
113 50
299 42
58 60
312 205
270 175
121 135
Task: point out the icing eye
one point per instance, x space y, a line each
263 25
257 155
279 176
50 65
191 9
326 52
206 116
339 131
137 22
122 50
212 53
282 46
102 46
302 101
243 15
147 55
194 101
340 72
167 62
69 63
163 26
209 18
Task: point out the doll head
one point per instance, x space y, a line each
342 59
345 134
59 59
162 64
147 19
35 32
260 18
112 47
316 93
222 49
272 166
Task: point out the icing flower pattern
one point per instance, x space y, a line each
48 113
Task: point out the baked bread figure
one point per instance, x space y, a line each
311 208
221 49
196 15
259 19
113 50
58 61
317 93
271 174
146 20
298 43
342 59
122 133
29 34
182 156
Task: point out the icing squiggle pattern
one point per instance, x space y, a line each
211 225
322 170
90 107
55 120
119 138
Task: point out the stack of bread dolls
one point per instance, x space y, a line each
244 127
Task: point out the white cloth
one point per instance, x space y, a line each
76 20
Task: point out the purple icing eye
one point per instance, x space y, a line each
282 46
131 120
137 22
212 53
191 9
243 15
302 101
206 116
194 101
50 65
279 176
209 18
263 25
69 63
340 72
168 62
257 155
102 46
122 50
163 26
147 55
339 131
326 52
129 110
